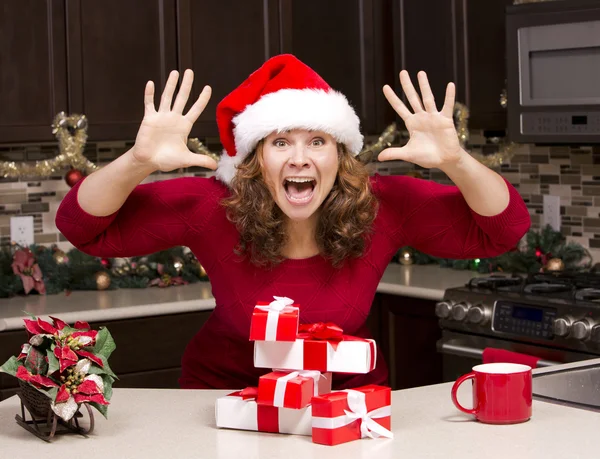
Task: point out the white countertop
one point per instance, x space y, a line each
420 281
146 423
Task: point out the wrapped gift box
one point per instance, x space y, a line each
340 417
321 347
292 389
237 411
275 321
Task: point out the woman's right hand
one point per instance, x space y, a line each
161 142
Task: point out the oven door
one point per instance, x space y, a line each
462 351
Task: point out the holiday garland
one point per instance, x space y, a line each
50 270
544 250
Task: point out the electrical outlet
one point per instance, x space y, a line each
21 230
552 212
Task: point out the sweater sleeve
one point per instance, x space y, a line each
155 216
435 219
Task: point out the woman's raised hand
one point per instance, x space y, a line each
433 139
161 141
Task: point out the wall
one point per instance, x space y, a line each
573 173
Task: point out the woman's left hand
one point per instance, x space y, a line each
433 139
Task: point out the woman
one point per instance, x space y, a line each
291 212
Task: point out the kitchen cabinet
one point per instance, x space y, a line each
33 77
148 353
349 43
456 40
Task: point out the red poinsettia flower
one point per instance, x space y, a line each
78 387
29 271
69 352
36 380
165 280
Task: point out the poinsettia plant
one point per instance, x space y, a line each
67 364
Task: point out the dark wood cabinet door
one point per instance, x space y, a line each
485 62
349 43
224 42
33 82
114 48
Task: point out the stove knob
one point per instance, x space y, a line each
596 334
443 309
581 330
561 326
459 311
476 315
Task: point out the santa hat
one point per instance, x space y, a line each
283 94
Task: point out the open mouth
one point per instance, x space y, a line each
299 190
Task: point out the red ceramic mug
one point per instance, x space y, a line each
501 393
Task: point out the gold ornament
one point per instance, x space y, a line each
370 153
554 264
406 257
197 147
102 280
201 271
70 145
60 257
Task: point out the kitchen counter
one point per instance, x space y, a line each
420 281
180 424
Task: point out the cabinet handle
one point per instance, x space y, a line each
475 353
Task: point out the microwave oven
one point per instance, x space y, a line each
553 72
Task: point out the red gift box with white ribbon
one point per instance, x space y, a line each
320 346
343 416
274 321
239 410
292 389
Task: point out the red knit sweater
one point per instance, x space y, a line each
430 217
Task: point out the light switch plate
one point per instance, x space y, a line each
552 212
21 230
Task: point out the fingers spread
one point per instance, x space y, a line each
167 95
396 103
410 91
199 105
199 160
448 108
184 91
428 99
149 98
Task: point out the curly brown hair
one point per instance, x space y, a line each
345 220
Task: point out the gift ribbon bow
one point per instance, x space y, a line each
281 304
249 393
322 331
358 410
281 384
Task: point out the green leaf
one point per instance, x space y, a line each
10 366
52 392
53 364
105 344
33 317
108 382
102 408
96 370
35 362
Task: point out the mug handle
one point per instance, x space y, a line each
458 382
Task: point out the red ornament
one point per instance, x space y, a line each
106 263
73 176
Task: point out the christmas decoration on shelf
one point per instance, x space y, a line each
71 133
49 270
544 250
405 256
60 370
370 152
197 147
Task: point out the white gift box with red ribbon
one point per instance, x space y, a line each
235 411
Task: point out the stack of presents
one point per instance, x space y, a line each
296 397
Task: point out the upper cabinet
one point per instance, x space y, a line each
456 40
33 76
224 42
349 43
114 47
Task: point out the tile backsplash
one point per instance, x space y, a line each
573 173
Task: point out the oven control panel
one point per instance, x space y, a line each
524 320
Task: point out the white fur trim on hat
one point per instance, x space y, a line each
312 109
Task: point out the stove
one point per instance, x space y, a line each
554 316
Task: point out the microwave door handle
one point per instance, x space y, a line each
474 353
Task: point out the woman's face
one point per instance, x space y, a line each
300 168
